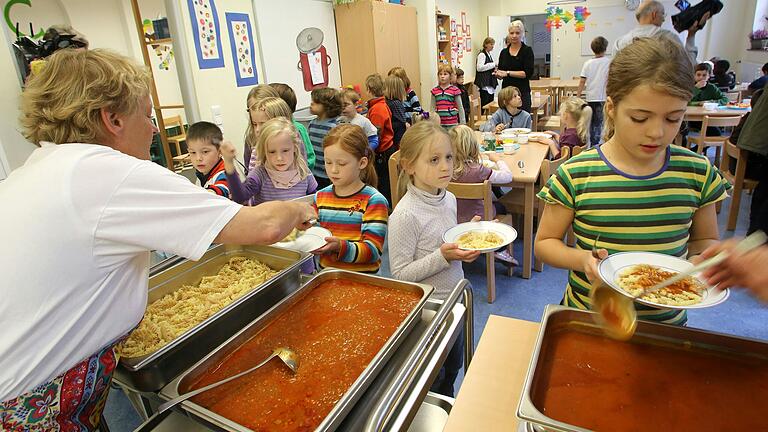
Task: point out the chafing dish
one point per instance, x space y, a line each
151 372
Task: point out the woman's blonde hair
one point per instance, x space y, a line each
394 88
63 102
581 112
273 107
658 62
517 23
400 73
465 148
273 128
352 140
414 141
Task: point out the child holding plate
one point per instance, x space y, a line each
635 190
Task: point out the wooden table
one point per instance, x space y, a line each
532 155
536 105
488 397
697 113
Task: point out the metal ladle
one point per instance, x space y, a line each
287 355
616 313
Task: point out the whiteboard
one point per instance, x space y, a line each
278 23
613 22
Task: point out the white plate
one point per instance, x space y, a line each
516 131
307 241
610 268
536 136
505 231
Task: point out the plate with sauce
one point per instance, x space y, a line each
659 267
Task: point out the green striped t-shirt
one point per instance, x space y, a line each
633 213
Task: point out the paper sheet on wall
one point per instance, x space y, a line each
208 34
316 67
243 43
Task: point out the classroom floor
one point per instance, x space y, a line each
525 299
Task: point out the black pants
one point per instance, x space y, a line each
444 382
381 164
758 212
485 98
525 95
596 126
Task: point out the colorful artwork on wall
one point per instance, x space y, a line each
556 17
241 43
206 33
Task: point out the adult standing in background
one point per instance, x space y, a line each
516 64
650 17
484 78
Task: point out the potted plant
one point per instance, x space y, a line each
758 39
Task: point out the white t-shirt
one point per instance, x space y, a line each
363 122
595 70
78 222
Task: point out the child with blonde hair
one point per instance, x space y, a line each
411 101
326 105
468 168
287 94
394 93
255 95
351 208
446 98
350 115
416 249
636 190
576 115
264 110
509 114
281 173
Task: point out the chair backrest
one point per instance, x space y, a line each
548 167
393 165
475 191
718 121
577 150
734 96
474 111
174 122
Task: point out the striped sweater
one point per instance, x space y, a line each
651 213
259 186
360 220
318 129
216 179
447 103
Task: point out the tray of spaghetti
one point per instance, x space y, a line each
194 306
343 325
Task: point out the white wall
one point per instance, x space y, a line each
14 148
477 23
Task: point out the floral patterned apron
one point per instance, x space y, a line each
71 402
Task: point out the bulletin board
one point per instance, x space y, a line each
613 22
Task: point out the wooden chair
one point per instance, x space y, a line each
475 119
734 96
482 191
179 152
514 200
703 141
394 174
736 178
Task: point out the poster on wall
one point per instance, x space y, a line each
206 33
241 43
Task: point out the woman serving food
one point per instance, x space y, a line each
82 215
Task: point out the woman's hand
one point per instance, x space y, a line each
451 252
590 262
305 215
745 270
333 244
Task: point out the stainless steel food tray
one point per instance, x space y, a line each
151 372
557 318
348 400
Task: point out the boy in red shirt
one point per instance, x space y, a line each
381 117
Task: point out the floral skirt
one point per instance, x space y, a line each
71 402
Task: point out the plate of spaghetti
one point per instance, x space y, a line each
630 273
481 236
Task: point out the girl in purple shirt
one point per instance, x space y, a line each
575 115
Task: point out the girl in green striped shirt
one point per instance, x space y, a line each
636 190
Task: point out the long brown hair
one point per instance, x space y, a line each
658 62
414 141
352 140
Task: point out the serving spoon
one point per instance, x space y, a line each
287 355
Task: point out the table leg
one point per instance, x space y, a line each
528 231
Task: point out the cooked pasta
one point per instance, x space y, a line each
291 236
173 314
682 293
479 240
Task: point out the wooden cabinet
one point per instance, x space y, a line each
375 36
443 26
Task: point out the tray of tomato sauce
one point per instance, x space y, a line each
665 378
343 325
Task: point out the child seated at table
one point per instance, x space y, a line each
468 168
703 91
509 114
576 116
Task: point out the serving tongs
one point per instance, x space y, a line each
287 355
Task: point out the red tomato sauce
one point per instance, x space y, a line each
605 385
336 329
